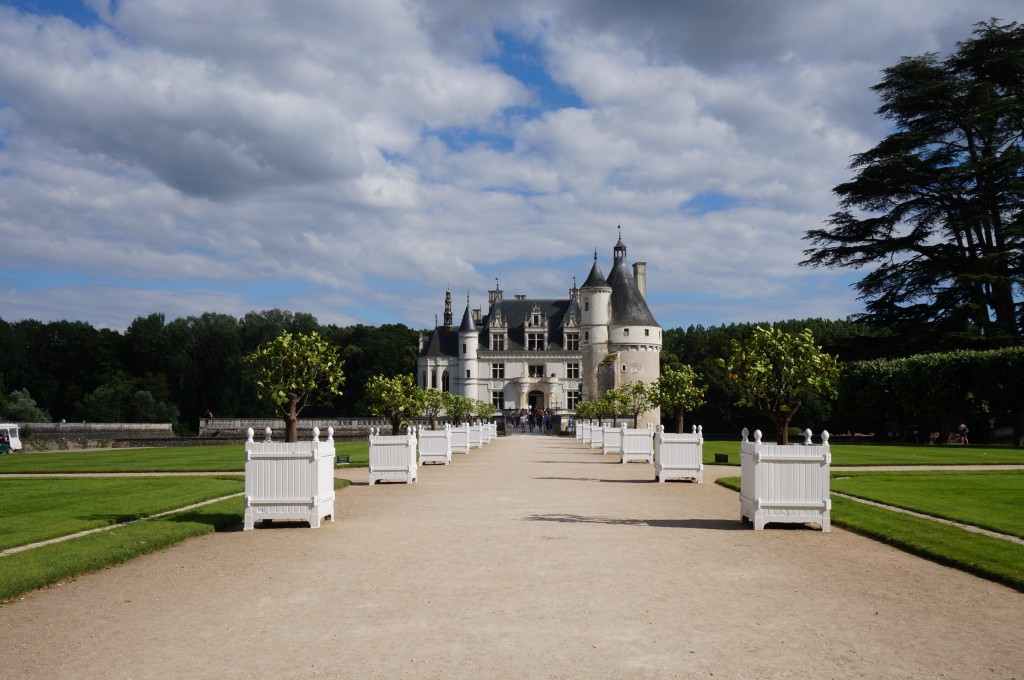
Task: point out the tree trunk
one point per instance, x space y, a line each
291 419
679 413
396 424
782 428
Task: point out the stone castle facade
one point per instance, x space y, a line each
549 353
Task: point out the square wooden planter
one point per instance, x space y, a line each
393 457
289 481
435 445
679 456
785 483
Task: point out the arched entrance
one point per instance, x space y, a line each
535 399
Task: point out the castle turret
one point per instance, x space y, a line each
634 337
468 341
595 314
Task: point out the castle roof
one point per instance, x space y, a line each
596 278
516 315
628 306
467 325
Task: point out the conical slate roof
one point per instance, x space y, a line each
467 324
596 278
628 306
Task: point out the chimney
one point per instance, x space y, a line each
640 276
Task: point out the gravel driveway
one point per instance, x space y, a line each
531 558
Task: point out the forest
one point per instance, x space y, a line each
160 371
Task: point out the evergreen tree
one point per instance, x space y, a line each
934 213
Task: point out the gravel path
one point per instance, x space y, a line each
531 558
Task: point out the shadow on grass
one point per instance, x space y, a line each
107 520
218 521
713 524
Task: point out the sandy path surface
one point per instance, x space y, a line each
530 558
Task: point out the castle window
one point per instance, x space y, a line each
572 342
467 372
433 379
536 371
498 342
572 397
586 336
586 305
463 348
647 331
625 331
498 399
446 385
572 371
497 371
535 342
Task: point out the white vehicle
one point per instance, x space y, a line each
9 440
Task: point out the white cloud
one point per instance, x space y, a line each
186 156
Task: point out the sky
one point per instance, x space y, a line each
354 160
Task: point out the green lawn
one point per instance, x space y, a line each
49 564
993 558
220 458
892 454
991 500
33 510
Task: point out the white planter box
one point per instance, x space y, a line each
586 432
460 439
637 445
289 481
785 483
611 442
578 434
679 456
435 446
393 457
476 438
597 437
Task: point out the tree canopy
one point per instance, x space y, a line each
679 390
776 371
294 370
396 398
934 212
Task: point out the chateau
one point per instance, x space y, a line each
549 353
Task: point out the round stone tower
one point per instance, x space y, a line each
595 314
468 367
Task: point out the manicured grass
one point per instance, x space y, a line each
39 567
49 564
991 500
892 454
33 510
992 558
220 458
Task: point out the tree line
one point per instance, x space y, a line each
175 371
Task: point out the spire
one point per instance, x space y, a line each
448 309
467 324
620 249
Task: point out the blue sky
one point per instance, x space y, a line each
353 160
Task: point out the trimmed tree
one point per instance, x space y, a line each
433 403
679 390
775 371
396 398
293 371
458 408
637 397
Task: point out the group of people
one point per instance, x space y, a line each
534 417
